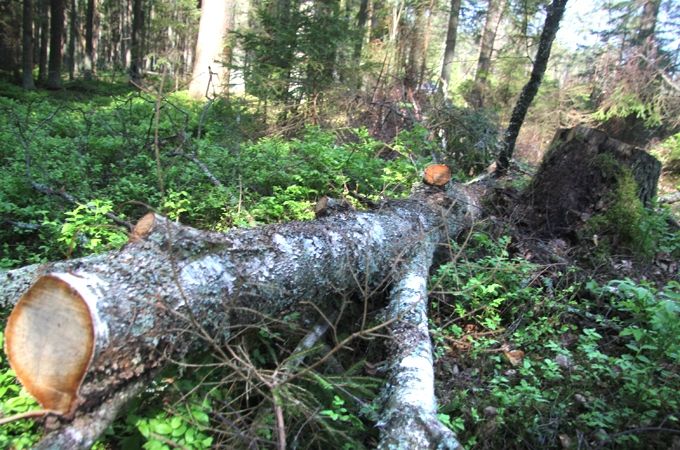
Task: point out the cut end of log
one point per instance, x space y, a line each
49 341
437 175
143 227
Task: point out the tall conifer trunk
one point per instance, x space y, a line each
89 60
72 38
27 45
449 50
136 53
56 37
44 40
209 72
493 19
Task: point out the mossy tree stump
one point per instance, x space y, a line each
584 174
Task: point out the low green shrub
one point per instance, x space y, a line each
597 362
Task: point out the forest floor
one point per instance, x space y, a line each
539 342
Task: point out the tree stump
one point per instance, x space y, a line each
580 175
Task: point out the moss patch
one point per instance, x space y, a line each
620 224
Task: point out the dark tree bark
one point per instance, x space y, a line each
116 18
579 175
56 38
362 18
73 37
27 50
10 37
44 14
648 19
450 48
493 20
136 51
90 52
552 24
113 319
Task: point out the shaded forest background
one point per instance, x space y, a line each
239 113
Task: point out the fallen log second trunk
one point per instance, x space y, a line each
81 334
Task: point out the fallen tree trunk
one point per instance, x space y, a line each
409 418
87 331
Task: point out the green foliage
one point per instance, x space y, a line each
623 103
87 228
668 152
649 317
485 292
285 205
186 428
470 138
338 412
626 223
102 149
293 54
597 363
15 400
175 204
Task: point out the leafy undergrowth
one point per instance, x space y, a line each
102 151
15 400
527 355
533 356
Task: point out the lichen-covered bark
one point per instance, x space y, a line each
145 297
84 431
409 419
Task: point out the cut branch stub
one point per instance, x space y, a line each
143 227
437 175
50 339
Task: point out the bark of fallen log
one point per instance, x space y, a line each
409 419
86 428
87 330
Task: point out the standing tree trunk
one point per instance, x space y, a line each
136 52
44 40
27 47
416 42
72 39
493 20
426 42
56 38
10 37
449 50
552 24
116 40
89 59
362 18
229 45
648 19
209 70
